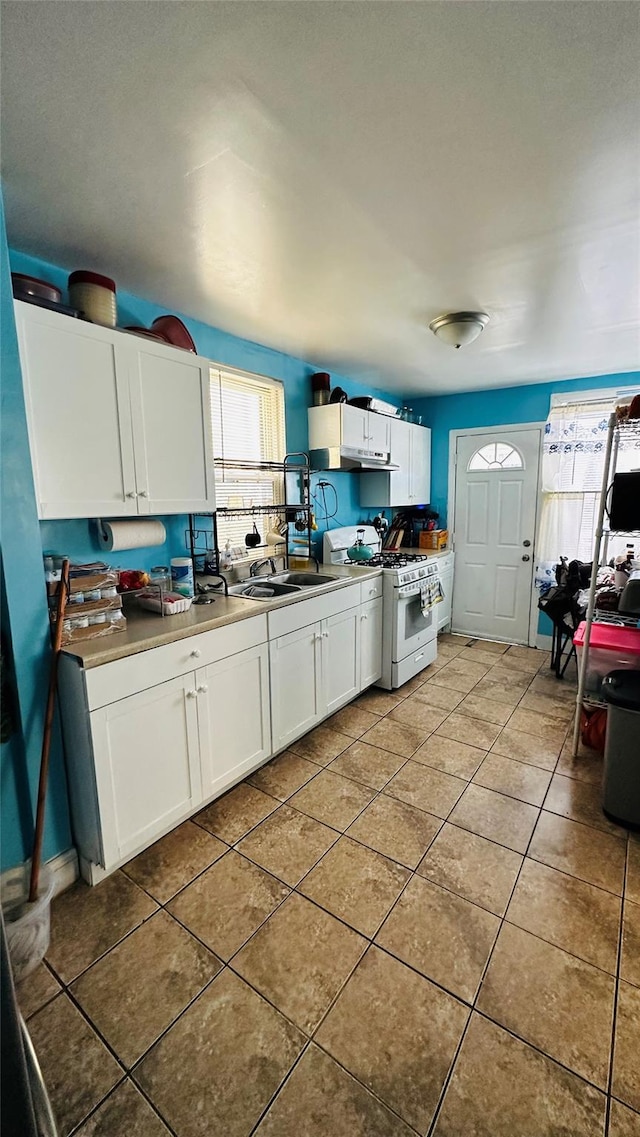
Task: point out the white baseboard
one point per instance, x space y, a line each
543 642
64 869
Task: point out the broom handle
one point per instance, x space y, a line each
46 737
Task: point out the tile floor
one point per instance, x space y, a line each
416 920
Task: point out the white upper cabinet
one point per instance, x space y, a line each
339 425
171 430
410 484
117 426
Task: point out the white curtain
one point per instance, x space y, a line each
572 468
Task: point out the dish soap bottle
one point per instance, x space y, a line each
226 558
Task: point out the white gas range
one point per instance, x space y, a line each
410 587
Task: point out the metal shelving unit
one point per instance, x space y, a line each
202 535
617 432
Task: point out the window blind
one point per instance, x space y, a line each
248 425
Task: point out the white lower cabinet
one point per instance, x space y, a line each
341 658
296 684
147 763
234 721
370 642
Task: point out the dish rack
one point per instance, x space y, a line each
294 510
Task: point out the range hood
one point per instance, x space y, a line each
350 458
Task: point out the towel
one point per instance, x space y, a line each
430 594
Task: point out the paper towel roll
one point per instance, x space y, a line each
138 534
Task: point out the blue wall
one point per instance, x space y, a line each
501 407
25 617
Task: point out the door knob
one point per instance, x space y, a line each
526 557
196 653
202 689
526 544
143 493
191 694
132 494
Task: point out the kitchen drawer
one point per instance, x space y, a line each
370 589
145 669
305 612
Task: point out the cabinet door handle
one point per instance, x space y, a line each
143 493
363 616
191 694
318 636
196 653
203 688
325 635
132 494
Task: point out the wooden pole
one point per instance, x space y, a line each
46 737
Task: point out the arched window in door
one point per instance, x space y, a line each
496 456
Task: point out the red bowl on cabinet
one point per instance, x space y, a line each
174 331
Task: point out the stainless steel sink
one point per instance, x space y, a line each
263 589
304 579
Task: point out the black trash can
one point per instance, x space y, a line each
621 785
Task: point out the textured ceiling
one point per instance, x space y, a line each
327 177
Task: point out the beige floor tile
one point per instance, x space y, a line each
396 737
232 816
495 647
77 1068
300 959
477 654
322 1098
356 884
321 745
174 860
630 962
474 732
284 775
377 701
633 870
395 829
135 992
502 1088
449 756
332 799
367 764
353 720
415 712
540 726
86 922
588 766
446 938
626 1067
478 708
578 917
580 801
547 684
413 684
469 865
225 905
36 990
287 844
426 788
548 705
579 850
473 668
125 1113
515 779
445 698
525 665
623 1122
496 817
509 676
454 639
456 680
498 691
397 1033
531 654
551 999
526 748
218 1067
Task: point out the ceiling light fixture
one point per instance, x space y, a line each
459 328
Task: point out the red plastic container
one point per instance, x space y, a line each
610 648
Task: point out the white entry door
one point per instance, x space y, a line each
496 489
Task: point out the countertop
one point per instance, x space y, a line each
146 630
430 553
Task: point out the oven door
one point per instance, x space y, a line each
411 628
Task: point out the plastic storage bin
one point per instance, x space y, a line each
611 647
621 784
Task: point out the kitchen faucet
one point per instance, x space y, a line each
257 565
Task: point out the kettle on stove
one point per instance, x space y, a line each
359 551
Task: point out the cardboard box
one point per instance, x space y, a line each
433 539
